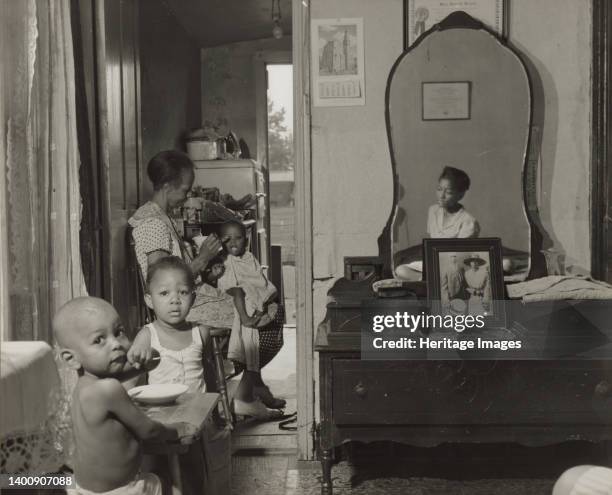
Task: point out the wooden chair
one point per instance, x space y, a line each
218 335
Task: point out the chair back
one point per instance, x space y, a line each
144 313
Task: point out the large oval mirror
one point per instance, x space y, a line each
458 113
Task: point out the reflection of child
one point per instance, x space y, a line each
448 218
107 426
170 293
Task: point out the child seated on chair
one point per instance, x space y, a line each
257 330
108 428
182 345
170 292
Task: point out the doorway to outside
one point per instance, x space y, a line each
274 95
280 374
281 175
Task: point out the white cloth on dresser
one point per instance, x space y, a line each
558 287
184 366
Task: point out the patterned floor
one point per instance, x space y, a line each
278 475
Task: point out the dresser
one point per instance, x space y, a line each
428 402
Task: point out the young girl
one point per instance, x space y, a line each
448 218
257 330
170 293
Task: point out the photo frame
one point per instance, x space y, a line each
446 100
421 15
465 276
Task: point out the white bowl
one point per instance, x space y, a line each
162 393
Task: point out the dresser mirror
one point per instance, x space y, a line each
460 98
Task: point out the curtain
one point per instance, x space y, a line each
40 235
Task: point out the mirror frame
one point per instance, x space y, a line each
537 262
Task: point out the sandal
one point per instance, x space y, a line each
264 394
255 409
287 424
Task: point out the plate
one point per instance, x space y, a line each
162 393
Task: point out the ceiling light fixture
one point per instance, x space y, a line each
277 30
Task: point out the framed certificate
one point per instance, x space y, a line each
446 100
421 15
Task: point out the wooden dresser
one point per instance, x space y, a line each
425 403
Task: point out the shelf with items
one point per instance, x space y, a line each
241 184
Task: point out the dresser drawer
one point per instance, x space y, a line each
471 392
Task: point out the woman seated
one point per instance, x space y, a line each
156 236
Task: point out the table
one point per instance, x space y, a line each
32 408
190 414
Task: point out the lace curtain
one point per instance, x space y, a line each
42 164
39 196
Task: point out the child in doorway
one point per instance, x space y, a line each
448 218
257 331
107 426
170 292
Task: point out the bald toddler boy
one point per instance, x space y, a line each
108 428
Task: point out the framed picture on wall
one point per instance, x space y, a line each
421 15
465 276
338 74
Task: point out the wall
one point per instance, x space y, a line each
228 85
170 82
555 38
352 183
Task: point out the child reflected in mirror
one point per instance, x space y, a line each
448 218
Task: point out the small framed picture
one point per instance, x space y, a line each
421 15
465 276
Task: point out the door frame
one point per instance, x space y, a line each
303 210
303 226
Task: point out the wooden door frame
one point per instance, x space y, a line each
601 142
303 226
300 57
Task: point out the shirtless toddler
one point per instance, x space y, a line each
107 426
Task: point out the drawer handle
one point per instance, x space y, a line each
603 389
360 390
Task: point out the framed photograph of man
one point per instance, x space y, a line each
465 277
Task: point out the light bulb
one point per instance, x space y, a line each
277 31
